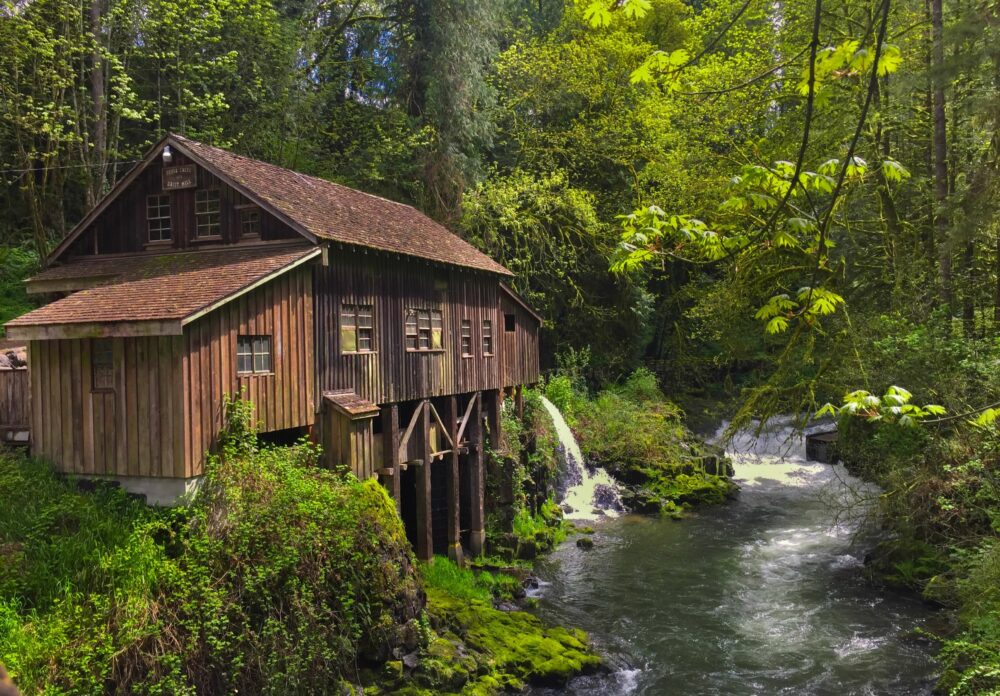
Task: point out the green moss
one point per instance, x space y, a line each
514 647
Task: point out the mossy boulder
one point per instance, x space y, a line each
510 648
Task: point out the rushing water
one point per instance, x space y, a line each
587 494
760 596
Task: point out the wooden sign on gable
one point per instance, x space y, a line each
183 176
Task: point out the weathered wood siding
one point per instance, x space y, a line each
392 374
122 227
14 398
134 429
282 309
520 346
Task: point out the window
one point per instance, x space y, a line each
424 329
206 212
253 354
250 222
466 338
508 322
487 337
102 365
357 332
158 217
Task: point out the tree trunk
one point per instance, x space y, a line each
940 138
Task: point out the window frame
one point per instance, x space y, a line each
163 200
256 350
245 213
355 313
487 336
466 339
104 347
425 333
200 215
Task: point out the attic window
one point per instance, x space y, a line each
424 330
509 324
207 214
250 222
158 217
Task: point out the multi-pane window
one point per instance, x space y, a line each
102 364
509 322
487 337
158 217
206 212
357 329
466 338
253 354
424 329
250 222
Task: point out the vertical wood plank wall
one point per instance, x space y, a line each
283 398
14 398
391 374
131 430
520 346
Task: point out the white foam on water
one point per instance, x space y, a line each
591 495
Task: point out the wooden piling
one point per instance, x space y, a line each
425 536
454 498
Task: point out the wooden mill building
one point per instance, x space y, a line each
340 314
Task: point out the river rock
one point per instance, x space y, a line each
411 660
527 549
586 543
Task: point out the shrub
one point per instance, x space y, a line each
277 579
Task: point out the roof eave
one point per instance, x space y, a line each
104 329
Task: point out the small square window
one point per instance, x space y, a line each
253 354
250 222
158 217
509 322
207 214
102 364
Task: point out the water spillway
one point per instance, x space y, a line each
764 595
586 494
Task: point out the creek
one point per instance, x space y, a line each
764 595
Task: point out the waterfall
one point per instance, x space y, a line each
588 494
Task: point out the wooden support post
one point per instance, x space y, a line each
494 399
519 401
477 480
454 497
425 536
390 450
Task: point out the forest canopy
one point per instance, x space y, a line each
731 192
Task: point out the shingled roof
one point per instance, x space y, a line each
331 211
166 287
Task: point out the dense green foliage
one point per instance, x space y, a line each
276 580
785 202
639 438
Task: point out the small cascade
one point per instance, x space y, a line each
589 494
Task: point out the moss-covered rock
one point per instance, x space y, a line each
496 650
